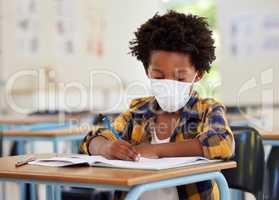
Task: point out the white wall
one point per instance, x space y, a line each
121 20
251 75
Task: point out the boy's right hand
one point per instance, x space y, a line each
122 150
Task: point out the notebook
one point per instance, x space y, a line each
143 163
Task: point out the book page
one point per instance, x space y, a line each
58 161
156 164
144 163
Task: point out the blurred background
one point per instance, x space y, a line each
72 56
50 49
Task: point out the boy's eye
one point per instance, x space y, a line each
181 78
158 77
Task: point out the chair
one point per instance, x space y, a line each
72 193
1 143
273 174
236 109
249 155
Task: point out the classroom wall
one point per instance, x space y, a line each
115 21
249 74
249 39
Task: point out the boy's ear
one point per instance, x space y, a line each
147 71
199 76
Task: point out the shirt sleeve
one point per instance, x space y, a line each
120 124
216 136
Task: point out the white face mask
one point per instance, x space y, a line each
171 95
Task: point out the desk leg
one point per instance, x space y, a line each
136 191
20 147
50 192
74 146
56 192
32 147
22 191
3 190
22 186
55 145
33 191
223 186
33 187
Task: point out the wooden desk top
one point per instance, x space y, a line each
240 117
99 175
269 135
233 117
15 120
76 130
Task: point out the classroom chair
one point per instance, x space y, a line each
249 155
273 174
57 112
74 193
1 143
236 109
71 193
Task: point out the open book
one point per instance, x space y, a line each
143 163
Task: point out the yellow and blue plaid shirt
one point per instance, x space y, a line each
203 119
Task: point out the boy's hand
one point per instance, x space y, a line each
121 150
147 150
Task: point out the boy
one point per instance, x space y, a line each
176 50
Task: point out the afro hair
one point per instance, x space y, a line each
178 32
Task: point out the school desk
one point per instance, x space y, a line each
55 136
134 181
39 122
53 128
245 120
270 137
32 119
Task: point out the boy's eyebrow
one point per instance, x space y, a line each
156 69
181 70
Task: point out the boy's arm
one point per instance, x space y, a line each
102 141
190 147
118 149
214 141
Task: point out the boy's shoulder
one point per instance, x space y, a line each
208 103
137 102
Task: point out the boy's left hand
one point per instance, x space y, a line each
147 150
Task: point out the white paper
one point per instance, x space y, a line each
143 163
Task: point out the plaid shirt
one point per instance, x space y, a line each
203 119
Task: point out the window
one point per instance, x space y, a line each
209 85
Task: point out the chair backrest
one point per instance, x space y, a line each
98 119
236 109
1 142
249 155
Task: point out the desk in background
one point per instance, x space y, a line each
33 119
270 137
29 128
245 120
75 133
53 128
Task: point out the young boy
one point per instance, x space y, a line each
176 50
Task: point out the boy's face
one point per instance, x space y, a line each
172 65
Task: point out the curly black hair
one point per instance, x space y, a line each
173 31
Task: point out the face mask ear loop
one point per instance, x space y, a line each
192 84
